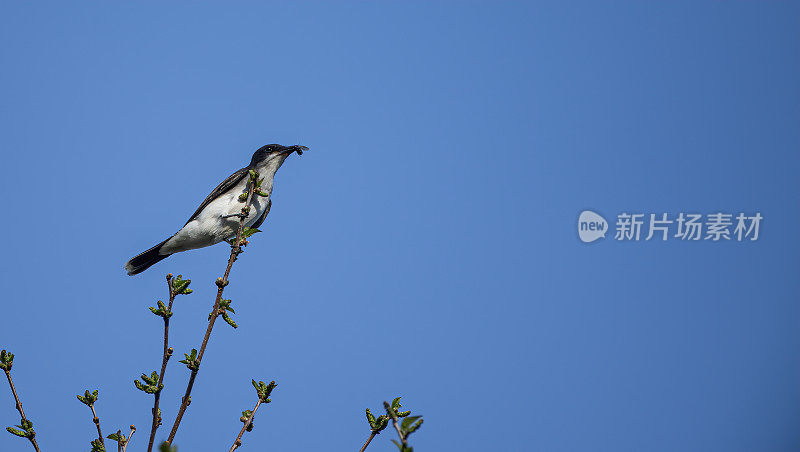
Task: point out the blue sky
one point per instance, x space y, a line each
426 245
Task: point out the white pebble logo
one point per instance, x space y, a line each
591 226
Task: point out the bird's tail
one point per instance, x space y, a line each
144 260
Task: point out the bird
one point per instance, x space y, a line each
218 216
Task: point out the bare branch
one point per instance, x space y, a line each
369 440
130 437
96 421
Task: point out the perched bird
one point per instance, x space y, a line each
218 216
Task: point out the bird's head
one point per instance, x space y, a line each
274 153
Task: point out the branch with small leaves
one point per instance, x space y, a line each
263 390
376 425
98 446
25 427
236 249
88 399
409 425
257 192
191 360
176 286
224 308
121 439
246 233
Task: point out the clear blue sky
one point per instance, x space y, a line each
426 245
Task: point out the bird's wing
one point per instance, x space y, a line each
226 185
263 215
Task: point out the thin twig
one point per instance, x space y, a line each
369 440
393 415
238 441
19 407
236 249
133 430
164 359
96 421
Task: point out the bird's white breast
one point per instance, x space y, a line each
211 226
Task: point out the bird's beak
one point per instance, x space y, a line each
298 149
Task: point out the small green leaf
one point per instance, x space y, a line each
191 360
382 422
396 404
245 415
97 446
165 447
88 398
149 379
150 384
229 321
6 360
161 310
181 286
118 437
415 427
225 305
370 419
248 232
14 431
407 423
264 390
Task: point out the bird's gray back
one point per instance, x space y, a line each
223 187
